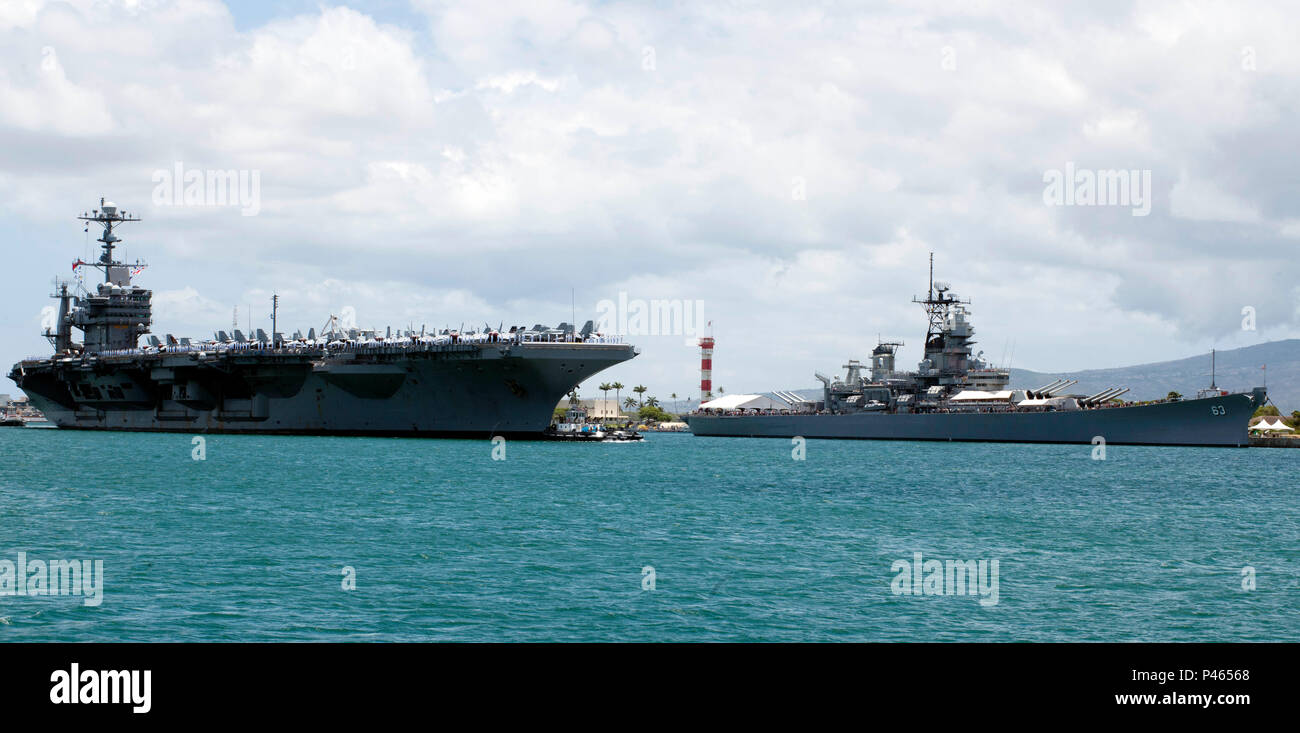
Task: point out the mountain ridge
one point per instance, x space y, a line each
1236 370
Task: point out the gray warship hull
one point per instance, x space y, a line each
1212 421
346 382
454 390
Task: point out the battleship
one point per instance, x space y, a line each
955 395
344 381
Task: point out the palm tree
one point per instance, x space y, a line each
640 390
652 402
674 396
629 403
604 390
616 386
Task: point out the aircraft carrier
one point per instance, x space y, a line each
955 395
453 383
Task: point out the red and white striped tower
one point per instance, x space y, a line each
706 367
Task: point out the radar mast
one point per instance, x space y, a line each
116 313
108 216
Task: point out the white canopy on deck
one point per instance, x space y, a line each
743 402
975 394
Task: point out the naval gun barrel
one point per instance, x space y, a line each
1043 390
1067 383
1117 393
789 397
1103 395
1098 396
1106 394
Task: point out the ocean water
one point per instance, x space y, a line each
553 543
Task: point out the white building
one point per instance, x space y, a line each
597 409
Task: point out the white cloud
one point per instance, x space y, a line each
1199 199
488 161
508 83
43 99
19 13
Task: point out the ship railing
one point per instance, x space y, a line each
747 413
567 338
402 345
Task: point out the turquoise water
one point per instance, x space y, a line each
550 544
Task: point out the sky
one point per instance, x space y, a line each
785 169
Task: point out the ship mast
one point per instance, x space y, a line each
108 216
115 313
936 304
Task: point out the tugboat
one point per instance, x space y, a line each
576 427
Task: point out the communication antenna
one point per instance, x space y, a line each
937 303
108 216
275 307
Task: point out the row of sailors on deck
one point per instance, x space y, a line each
347 344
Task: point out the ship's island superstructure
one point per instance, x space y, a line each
456 382
954 395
